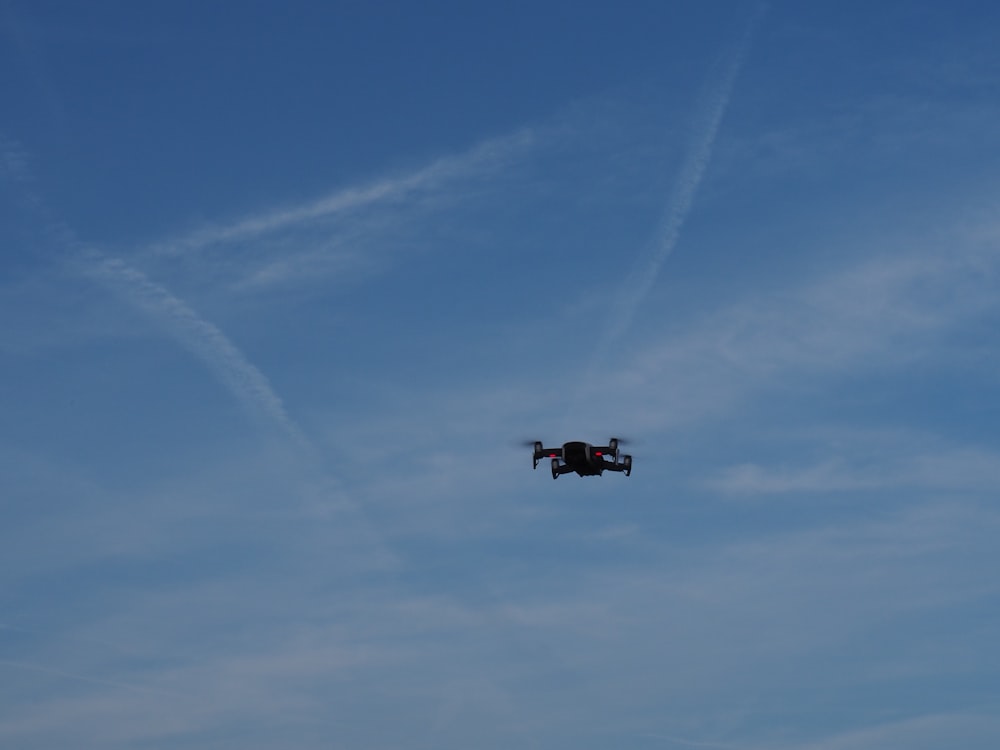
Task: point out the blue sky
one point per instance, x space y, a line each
283 286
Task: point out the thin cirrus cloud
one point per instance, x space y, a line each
969 729
877 314
946 468
22 665
358 641
884 312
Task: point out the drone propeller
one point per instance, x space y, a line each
531 443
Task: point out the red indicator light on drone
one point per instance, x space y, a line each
598 453
552 455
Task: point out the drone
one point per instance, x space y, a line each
585 459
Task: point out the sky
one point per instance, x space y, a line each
286 286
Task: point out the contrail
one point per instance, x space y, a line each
712 108
241 378
203 339
710 111
483 155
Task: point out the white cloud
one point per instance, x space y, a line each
942 469
749 478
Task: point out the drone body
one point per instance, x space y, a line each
585 459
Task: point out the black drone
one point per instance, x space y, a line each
585 459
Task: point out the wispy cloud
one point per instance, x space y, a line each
881 313
753 479
482 157
894 308
349 233
706 624
79 677
945 469
969 729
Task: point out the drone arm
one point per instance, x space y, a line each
625 465
548 453
562 469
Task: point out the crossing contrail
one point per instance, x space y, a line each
206 341
712 107
203 339
483 156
